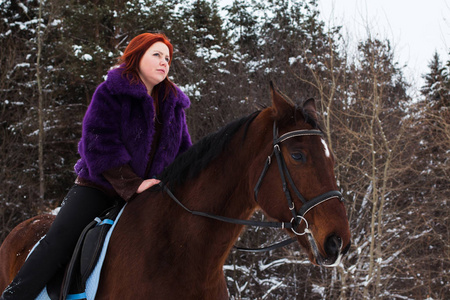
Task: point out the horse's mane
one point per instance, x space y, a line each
189 164
199 156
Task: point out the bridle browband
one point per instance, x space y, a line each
297 217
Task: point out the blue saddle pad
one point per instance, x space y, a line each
94 278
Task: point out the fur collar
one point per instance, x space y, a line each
119 84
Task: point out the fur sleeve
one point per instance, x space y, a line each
101 146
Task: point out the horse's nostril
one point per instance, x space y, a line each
333 245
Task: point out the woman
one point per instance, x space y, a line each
134 127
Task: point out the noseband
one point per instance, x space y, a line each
297 216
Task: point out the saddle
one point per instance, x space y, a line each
71 281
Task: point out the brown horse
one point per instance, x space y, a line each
160 251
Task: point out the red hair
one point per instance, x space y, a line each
133 54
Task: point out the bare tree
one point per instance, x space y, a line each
41 138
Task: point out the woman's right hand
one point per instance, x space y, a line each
146 184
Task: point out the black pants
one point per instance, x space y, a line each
79 208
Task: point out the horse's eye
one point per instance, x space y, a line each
298 156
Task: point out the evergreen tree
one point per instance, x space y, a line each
295 49
429 169
201 67
436 88
377 77
242 26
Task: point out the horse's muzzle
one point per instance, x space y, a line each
333 248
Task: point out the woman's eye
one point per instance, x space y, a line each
298 156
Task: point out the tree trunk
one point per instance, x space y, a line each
41 137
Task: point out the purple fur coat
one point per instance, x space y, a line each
118 129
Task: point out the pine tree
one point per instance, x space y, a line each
242 27
200 66
436 88
429 169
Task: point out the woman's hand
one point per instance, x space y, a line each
146 184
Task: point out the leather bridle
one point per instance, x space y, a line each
297 216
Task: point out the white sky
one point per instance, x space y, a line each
415 28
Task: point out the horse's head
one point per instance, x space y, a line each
301 161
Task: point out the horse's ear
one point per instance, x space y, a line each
280 105
309 106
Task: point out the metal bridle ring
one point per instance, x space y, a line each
306 228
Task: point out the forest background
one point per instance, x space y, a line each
392 149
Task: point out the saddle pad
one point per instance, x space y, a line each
94 278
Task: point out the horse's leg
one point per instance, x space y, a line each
18 244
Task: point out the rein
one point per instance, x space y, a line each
297 218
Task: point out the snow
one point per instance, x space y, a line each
22 65
319 290
55 22
209 54
76 49
86 57
275 286
21 5
279 262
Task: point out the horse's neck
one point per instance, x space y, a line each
222 189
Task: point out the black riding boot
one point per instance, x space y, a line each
80 207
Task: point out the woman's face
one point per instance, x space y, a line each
154 65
